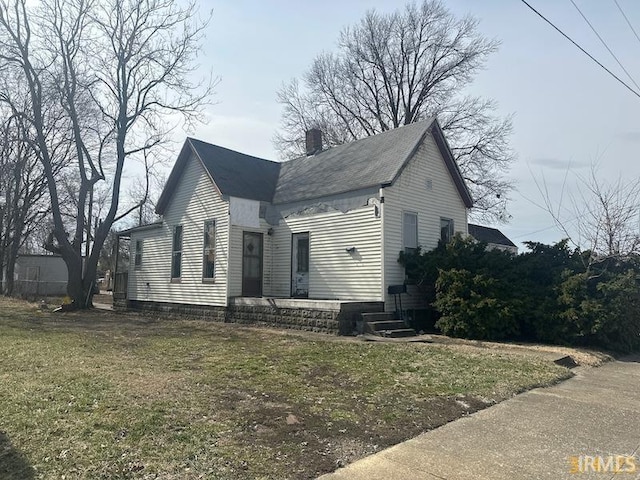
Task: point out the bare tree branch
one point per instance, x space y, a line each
115 69
395 69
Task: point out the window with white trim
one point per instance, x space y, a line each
176 253
410 231
209 250
137 255
446 230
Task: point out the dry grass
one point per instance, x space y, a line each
102 395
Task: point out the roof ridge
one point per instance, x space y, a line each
428 122
209 144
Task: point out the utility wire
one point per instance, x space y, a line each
604 43
627 19
581 49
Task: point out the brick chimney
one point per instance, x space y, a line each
314 141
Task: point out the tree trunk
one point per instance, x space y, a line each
11 268
75 289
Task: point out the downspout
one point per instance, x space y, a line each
382 249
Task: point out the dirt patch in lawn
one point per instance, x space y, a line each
308 445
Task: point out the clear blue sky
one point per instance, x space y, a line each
567 111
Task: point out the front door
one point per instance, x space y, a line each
252 264
300 265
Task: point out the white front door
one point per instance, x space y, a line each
300 265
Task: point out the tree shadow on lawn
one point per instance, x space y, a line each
629 358
13 464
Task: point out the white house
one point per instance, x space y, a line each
245 239
40 275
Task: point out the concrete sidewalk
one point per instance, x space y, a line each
531 436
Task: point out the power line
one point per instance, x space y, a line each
581 49
627 19
544 229
604 43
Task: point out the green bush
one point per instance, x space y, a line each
535 279
474 306
551 293
602 309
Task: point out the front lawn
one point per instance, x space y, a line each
100 395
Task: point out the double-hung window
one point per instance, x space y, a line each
446 230
209 251
410 231
137 255
176 253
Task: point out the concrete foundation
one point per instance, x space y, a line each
325 316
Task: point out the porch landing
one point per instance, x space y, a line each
330 316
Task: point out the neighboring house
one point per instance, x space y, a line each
40 275
494 238
260 240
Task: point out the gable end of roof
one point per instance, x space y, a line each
231 173
174 176
451 164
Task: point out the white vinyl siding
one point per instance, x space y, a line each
426 188
334 273
195 200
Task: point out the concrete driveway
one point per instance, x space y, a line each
584 428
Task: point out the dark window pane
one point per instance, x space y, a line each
137 259
176 258
446 229
209 253
175 269
303 255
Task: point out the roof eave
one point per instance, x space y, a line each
450 162
176 173
139 228
174 176
413 151
317 197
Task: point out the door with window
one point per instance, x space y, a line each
252 264
300 265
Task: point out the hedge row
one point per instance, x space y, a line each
551 294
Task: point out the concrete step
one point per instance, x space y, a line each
399 333
385 325
378 316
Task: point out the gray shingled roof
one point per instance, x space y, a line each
489 235
234 173
371 161
237 174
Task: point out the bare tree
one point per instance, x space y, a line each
118 68
603 217
23 188
395 69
